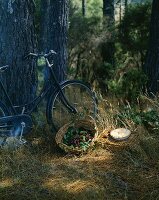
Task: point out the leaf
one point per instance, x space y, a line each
84 138
83 132
64 137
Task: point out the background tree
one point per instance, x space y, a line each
107 48
89 54
134 32
108 9
151 66
126 5
17 38
87 50
54 30
84 8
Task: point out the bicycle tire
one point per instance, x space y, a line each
3 110
80 96
3 113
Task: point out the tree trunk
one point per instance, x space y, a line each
120 11
56 17
45 7
84 8
107 48
151 66
108 9
126 6
17 39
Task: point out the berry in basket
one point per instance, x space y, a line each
78 137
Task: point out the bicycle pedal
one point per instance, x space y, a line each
22 141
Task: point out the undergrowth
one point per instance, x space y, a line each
110 170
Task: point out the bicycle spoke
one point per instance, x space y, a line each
80 97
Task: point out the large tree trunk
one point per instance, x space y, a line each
56 26
151 66
17 38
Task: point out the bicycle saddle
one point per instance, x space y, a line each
3 68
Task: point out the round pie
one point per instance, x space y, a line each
120 134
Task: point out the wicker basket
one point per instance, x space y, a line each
86 124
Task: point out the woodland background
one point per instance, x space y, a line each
114 46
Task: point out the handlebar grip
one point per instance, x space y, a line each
51 52
3 68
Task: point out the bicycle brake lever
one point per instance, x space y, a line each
30 54
53 52
3 68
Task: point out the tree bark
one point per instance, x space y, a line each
45 7
84 8
17 39
126 6
56 17
120 11
151 67
108 9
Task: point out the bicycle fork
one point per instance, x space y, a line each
66 103
63 97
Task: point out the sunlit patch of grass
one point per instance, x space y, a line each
74 186
6 183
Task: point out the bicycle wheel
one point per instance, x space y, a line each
79 96
3 112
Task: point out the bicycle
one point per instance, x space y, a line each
64 100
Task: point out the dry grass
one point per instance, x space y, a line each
111 170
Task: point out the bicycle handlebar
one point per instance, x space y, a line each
3 68
46 55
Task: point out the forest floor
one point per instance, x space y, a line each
110 170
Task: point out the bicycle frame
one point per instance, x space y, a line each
8 98
31 106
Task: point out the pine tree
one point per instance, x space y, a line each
55 20
151 66
17 38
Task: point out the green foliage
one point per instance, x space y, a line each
128 84
128 80
93 7
149 118
81 30
128 114
86 39
134 28
88 52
